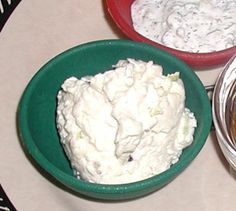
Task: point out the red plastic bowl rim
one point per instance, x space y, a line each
193 59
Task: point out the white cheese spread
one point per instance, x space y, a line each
188 25
124 125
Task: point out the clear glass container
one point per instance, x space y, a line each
224 111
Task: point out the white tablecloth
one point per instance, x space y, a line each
36 32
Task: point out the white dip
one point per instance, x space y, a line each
188 25
124 125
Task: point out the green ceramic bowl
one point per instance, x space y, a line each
36 113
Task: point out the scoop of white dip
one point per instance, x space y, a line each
124 125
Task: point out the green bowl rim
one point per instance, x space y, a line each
79 185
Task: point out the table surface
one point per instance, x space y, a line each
36 32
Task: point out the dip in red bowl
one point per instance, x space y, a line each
120 11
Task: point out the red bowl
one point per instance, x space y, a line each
121 13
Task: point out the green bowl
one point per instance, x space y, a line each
37 112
